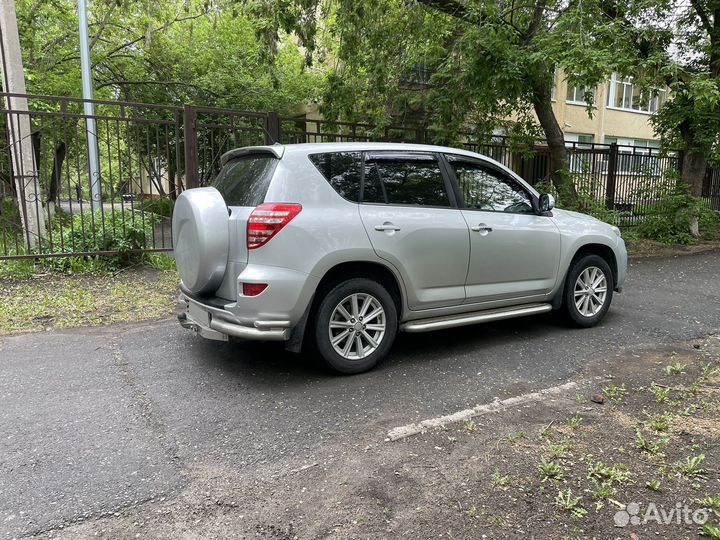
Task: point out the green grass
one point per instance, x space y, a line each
79 300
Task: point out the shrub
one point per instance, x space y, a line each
669 220
161 206
121 232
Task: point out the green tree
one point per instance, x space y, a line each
166 52
690 121
450 64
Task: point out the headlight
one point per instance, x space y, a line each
616 230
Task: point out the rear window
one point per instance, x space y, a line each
244 181
342 170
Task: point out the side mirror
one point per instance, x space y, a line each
546 203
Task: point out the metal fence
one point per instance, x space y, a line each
149 153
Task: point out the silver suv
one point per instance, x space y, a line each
342 245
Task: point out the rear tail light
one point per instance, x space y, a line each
267 220
253 289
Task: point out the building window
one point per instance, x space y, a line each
624 94
576 94
637 156
580 160
578 139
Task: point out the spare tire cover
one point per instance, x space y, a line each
200 238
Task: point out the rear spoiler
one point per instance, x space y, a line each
276 150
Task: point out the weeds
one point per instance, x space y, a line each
648 446
615 392
675 369
653 485
574 421
566 501
662 394
660 423
549 470
690 467
499 480
600 472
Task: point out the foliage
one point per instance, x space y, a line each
167 52
120 232
160 206
668 220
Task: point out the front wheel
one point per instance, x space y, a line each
588 291
355 325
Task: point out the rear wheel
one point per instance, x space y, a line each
355 325
588 291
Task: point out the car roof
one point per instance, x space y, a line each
310 148
281 150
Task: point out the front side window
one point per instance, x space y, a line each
404 179
485 188
342 170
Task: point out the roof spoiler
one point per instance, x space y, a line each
276 150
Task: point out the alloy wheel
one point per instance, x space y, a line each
590 291
357 326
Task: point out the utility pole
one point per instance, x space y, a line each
89 107
21 149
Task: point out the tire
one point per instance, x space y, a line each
585 306
355 352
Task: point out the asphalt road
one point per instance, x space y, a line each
98 420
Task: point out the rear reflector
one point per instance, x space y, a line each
267 220
253 289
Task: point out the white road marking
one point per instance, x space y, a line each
461 416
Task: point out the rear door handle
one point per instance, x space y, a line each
387 226
481 228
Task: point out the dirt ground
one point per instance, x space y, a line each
611 457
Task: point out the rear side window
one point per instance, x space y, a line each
404 179
342 170
244 181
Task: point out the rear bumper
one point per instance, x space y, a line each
215 323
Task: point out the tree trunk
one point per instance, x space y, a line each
172 171
542 103
694 167
58 160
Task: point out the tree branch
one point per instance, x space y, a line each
163 27
455 8
704 19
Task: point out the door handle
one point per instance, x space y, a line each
387 226
482 228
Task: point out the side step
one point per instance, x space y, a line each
464 319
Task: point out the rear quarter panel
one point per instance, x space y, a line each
327 232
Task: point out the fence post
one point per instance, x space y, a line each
611 177
420 135
272 128
191 147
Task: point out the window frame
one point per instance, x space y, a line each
628 87
502 174
406 154
582 95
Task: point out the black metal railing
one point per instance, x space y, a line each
148 153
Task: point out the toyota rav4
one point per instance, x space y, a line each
342 245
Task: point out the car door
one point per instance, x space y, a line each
514 252
411 217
